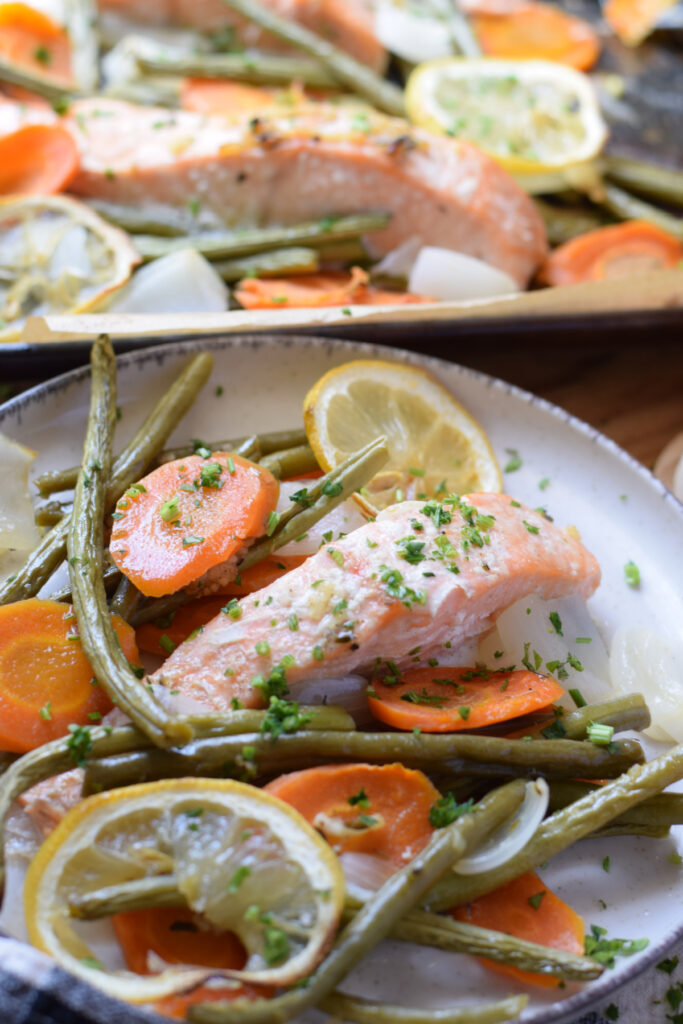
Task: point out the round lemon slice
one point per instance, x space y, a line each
534 117
243 859
56 256
435 446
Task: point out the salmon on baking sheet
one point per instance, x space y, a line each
421 576
309 163
347 24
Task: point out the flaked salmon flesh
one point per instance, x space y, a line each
347 24
308 163
418 581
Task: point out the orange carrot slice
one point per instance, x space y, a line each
188 516
262 574
621 250
312 290
35 41
633 20
46 682
538 31
527 909
163 636
447 699
40 159
216 96
363 808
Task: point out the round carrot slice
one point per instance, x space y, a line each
621 250
40 159
46 682
538 31
527 909
447 699
364 808
188 516
32 39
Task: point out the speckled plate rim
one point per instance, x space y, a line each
11 412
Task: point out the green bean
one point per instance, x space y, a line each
6 760
81 24
346 69
35 82
257 240
485 756
348 251
442 932
625 206
128 467
84 546
111 577
622 713
651 180
275 441
150 219
290 462
399 894
566 826
461 31
125 600
352 1008
277 263
350 474
659 811
49 514
262 69
147 90
562 223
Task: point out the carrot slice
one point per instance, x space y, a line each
35 41
538 31
633 20
262 574
46 682
363 808
447 699
313 290
216 96
188 516
40 159
164 635
527 909
620 250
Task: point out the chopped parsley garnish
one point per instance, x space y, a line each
192 541
275 945
606 864
293 622
302 497
446 810
79 744
606 950
556 623
271 523
283 716
514 462
668 966
535 900
331 488
632 574
170 510
360 799
232 609
209 475
46 712
235 882
395 587
429 699
167 644
262 647
336 556
530 527
439 515
411 550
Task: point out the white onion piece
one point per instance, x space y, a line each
512 836
365 873
17 526
399 262
342 519
515 628
455 277
414 36
642 661
677 486
183 282
346 691
12 920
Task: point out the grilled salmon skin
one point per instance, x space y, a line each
347 24
307 163
421 576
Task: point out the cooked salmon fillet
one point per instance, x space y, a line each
348 24
309 163
420 579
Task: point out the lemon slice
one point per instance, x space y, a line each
246 861
56 256
435 446
532 116
18 530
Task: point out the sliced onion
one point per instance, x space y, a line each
183 282
365 873
512 836
399 262
642 661
414 36
347 691
455 277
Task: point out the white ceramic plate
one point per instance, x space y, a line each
623 514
